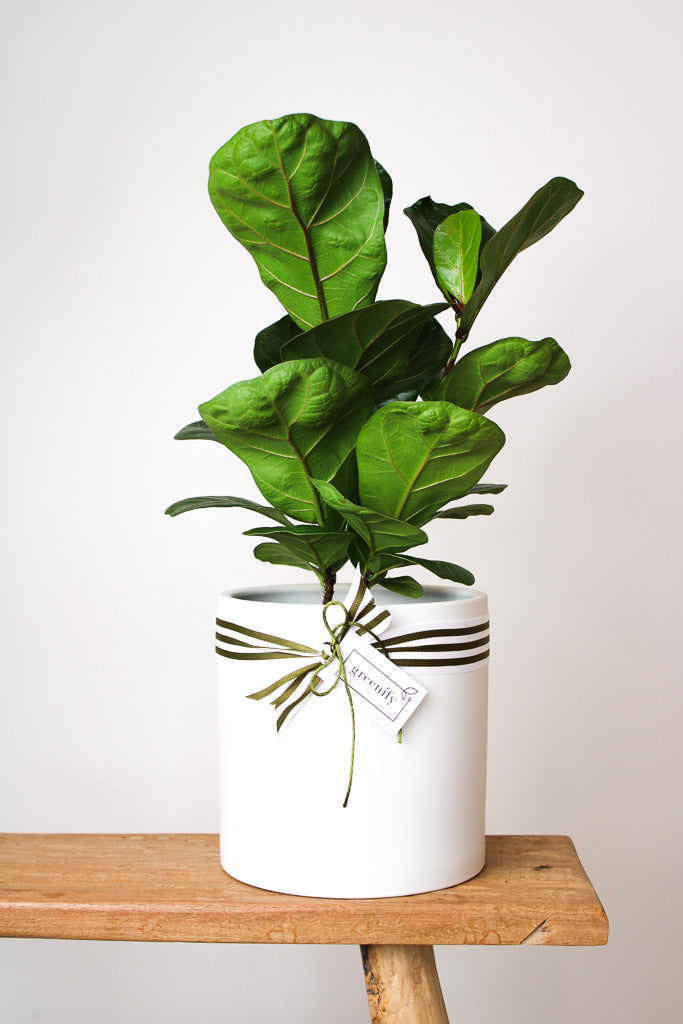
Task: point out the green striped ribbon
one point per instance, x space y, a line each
449 647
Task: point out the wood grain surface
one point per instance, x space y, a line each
171 888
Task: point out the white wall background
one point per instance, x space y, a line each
127 303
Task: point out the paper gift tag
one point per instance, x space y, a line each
388 695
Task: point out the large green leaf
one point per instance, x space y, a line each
426 361
226 501
444 570
387 191
346 479
540 215
325 549
465 511
426 215
276 554
299 420
456 254
404 585
377 341
415 458
503 369
487 488
379 532
304 197
197 431
268 342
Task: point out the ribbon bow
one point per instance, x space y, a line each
359 616
433 647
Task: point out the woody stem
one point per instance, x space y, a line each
328 589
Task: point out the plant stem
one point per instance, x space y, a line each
459 338
328 589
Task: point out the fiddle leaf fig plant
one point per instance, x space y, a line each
365 423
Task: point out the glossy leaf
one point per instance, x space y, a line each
432 389
212 501
346 478
299 420
444 570
503 369
304 197
387 191
325 549
268 342
465 511
404 585
414 459
377 341
379 533
402 396
426 215
537 218
456 254
276 554
197 431
426 361
487 489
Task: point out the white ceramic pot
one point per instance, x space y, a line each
415 816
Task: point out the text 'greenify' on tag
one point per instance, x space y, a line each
389 696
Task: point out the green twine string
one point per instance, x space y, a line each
293 680
337 634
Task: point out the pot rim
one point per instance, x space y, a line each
309 595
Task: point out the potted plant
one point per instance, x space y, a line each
365 424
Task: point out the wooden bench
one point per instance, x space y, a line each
171 888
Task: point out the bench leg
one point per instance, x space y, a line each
403 986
